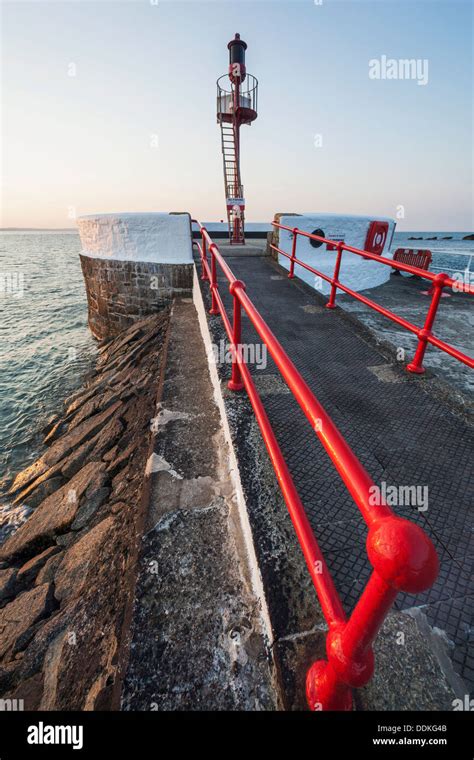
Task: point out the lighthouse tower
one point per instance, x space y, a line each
237 94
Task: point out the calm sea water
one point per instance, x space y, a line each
46 348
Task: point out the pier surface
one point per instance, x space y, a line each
407 296
403 433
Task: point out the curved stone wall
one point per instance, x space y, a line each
133 265
120 292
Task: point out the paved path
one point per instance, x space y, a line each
196 640
454 323
401 433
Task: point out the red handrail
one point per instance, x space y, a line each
439 281
402 556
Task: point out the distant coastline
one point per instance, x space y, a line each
38 229
264 224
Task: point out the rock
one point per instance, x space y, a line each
121 458
30 691
64 446
97 403
69 660
30 569
54 515
42 491
89 507
110 455
77 459
8 675
80 397
35 652
94 448
23 495
468 237
46 574
7 584
122 340
71 575
118 507
107 438
21 614
56 431
66 540
52 421
51 669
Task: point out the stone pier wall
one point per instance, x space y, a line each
120 292
133 265
67 573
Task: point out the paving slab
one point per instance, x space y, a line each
408 297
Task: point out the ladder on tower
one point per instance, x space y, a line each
233 187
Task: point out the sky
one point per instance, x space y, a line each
110 106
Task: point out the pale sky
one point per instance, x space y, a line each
87 85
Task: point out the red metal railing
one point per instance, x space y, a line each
439 281
402 556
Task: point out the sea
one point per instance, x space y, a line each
45 346
46 349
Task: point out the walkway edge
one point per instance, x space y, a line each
255 574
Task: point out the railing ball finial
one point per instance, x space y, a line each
235 285
402 554
324 691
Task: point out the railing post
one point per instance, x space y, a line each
203 255
214 307
235 383
416 365
293 253
331 304
404 559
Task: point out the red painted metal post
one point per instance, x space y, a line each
404 559
203 255
293 255
331 304
214 306
235 383
416 365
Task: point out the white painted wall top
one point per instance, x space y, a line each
357 273
152 237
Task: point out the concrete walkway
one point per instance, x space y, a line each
401 432
198 639
454 323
